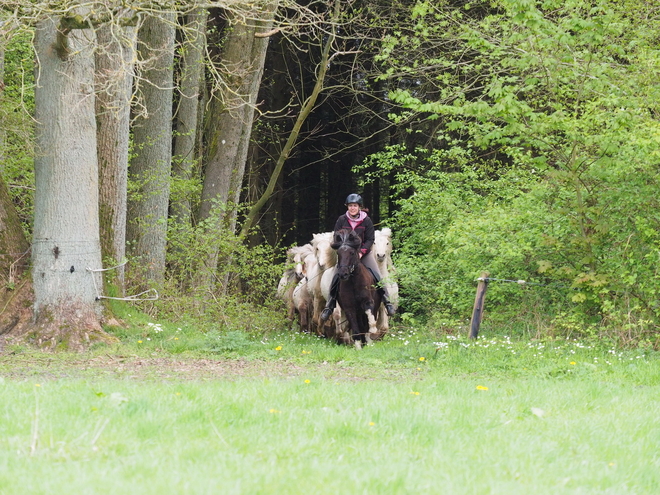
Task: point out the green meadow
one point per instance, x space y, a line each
167 413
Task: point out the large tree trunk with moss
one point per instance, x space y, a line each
186 117
114 80
66 246
150 167
229 127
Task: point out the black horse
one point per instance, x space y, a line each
358 298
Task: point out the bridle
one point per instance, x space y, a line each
351 267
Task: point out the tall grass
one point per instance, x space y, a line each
412 414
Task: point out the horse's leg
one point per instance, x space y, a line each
333 325
373 329
319 304
354 326
368 308
382 322
342 326
352 317
304 318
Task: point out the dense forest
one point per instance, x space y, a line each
188 144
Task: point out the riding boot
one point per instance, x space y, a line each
385 299
384 296
332 300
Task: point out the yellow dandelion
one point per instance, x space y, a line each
278 348
572 363
422 358
307 381
139 341
176 338
481 387
414 393
37 384
273 411
371 423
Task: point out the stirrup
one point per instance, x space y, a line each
325 314
390 309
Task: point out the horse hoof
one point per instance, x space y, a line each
358 345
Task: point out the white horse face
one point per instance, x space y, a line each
325 255
296 256
310 265
300 267
382 247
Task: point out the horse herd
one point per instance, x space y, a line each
359 317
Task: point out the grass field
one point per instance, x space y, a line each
164 413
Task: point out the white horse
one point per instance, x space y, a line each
382 250
335 328
303 303
294 272
325 258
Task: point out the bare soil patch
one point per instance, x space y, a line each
48 367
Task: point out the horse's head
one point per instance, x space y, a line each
346 236
382 247
296 255
310 265
323 250
347 243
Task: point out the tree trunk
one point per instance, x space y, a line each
150 168
13 245
187 121
2 127
186 118
12 239
16 296
232 115
66 244
114 81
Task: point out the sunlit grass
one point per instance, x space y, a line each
312 434
419 412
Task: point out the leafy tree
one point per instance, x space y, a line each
558 91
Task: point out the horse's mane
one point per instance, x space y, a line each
347 237
302 251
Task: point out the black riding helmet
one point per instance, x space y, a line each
354 198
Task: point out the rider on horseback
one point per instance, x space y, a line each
356 219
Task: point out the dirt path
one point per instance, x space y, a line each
49 367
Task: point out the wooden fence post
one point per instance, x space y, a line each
478 311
